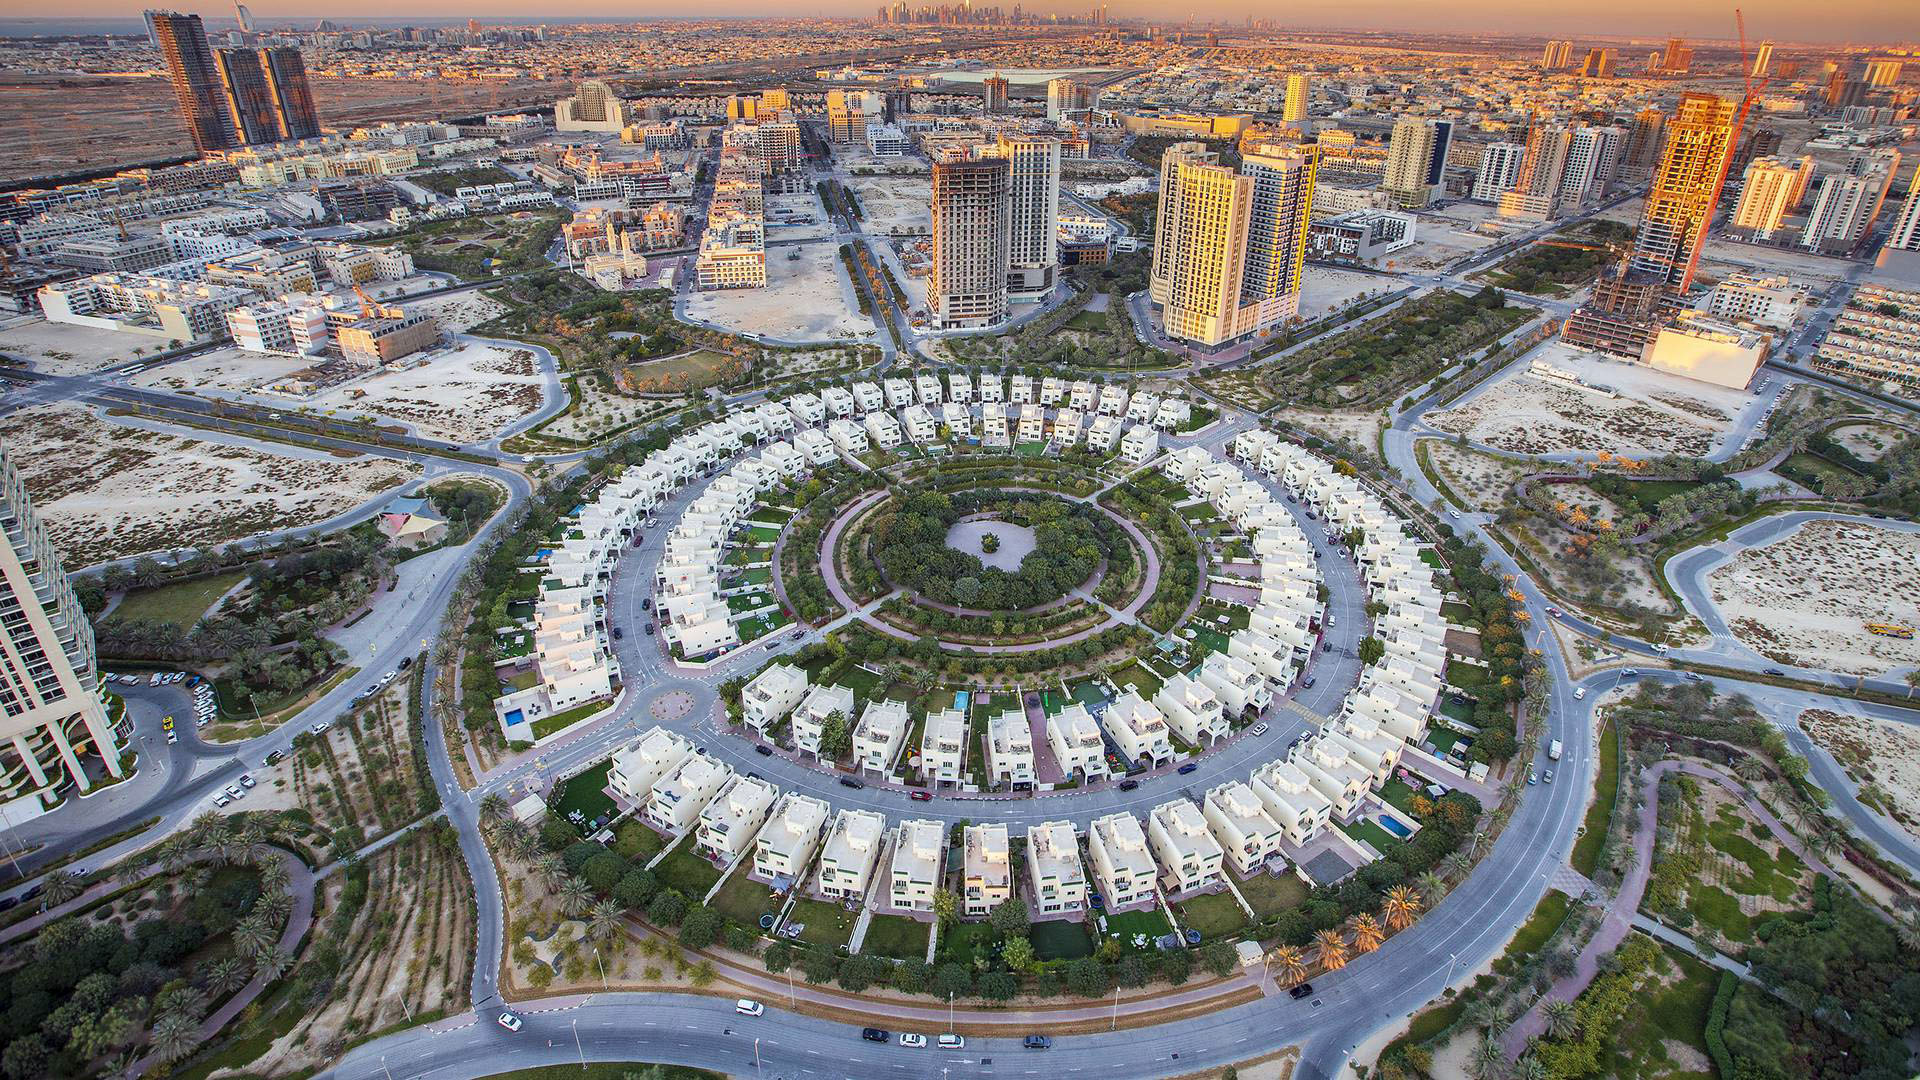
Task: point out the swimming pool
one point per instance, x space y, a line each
513 717
1394 827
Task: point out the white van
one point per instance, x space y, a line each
952 1042
748 1008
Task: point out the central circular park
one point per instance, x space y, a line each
1009 564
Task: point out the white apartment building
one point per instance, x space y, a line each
677 798
1137 728
1192 710
943 748
1077 747
1190 858
728 823
847 857
1139 445
1240 822
1056 876
772 694
919 858
786 843
1122 863
1238 684
645 760
809 718
1010 760
880 735
1033 215
986 869
1291 801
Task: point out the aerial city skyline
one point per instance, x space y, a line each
896 540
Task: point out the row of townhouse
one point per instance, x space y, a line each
933 392
784 692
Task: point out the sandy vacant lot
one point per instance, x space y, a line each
1655 413
460 311
66 349
810 220
1805 599
1444 235
1870 441
1325 289
1881 753
1722 257
894 203
806 299
107 491
1480 479
465 394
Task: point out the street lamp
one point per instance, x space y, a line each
603 968
576 1044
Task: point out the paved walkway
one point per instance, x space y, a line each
1623 913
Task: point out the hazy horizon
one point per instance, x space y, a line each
1865 22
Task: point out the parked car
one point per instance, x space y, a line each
1129 784
952 1042
763 750
618 633
748 1008
247 781
1304 990
646 604
649 629
1532 778
1694 676
510 1021
852 782
221 800
1775 672
1258 729
1036 1042
1307 683
920 796
233 791
276 757
1191 766
1549 776
873 1035
908 1038
172 738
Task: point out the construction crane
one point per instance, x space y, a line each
1747 99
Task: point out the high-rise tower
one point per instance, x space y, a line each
196 81
1297 96
1033 218
995 88
1412 151
1686 185
1762 60
51 710
293 109
971 254
249 101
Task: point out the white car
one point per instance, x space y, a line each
1258 729
952 1042
509 1021
321 727
1579 692
247 781
234 792
908 1038
1659 648
221 800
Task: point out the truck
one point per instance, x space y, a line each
1553 750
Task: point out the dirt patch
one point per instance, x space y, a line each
106 491
1480 479
1868 442
808 298
460 311
1806 599
1882 756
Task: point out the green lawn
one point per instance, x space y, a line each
748 601
587 794
1539 928
1269 895
1778 878
559 721
1058 939
759 575
635 842
760 625
896 937
1365 829
1213 914
1095 321
762 534
1456 710
1443 740
826 925
744 900
967 941
771 515
1606 784
181 603
1398 795
1124 926
686 871
1138 676
1676 1012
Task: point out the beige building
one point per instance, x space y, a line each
51 708
1240 822
786 843
1701 347
676 799
772 694
987 869
729 822
1075 740
919 854
943 742
1122 864
848 856
1291 800
1190 858
1230 246
1056 876
1010 759
972 206
880 735
645 760
1138 729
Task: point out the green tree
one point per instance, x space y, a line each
1087 977
946 908
700 927
1219 958
1009 917
1371 650
1018 952
999 986
778 957
952 979
911 976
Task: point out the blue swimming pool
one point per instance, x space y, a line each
1394 827
960 700
514 716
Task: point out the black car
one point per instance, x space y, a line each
873 1035
763 749
618 633
649 629
406 662
1036 1042
646 604
1775 672
1191 766
1129 784
852 782
1304 990
1307 683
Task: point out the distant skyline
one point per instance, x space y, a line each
1865 22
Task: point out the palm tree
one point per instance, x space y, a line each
553 871
1532 1068
1488 1062
1562 1021
1486 1014
253 935
495 808
250 844
518 839
61 886
1402 906
576 896
1291 962
1366 934
1431 887
275 905
132 868
227 974
274 877
1333 949
1456 864
174 1035
176 851
1908 928
602 920
272 964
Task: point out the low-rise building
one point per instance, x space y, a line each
986 869
1138 729
675 802
1010 761
1075 740
1190 858
786 843
943 747
848 855
1291 800
919 849
1192 710
1058 880
644 760
772 694
813 712
880 735
728 823
1240 822
1122 863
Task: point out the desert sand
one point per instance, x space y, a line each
1882 756
808 298
107 491
1805 599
